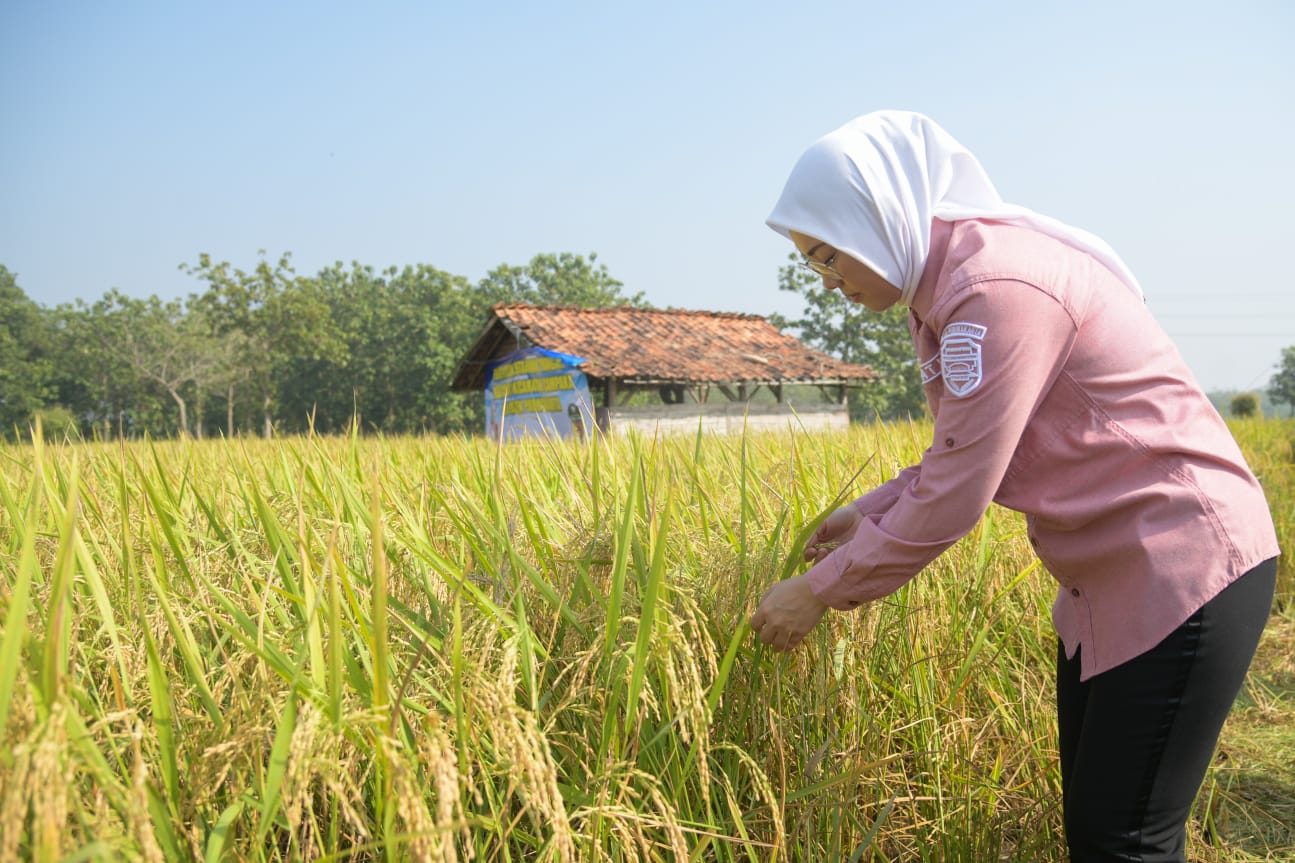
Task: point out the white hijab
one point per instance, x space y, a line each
871 188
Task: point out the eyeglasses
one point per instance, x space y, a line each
823 268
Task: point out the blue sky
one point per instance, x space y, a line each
135 136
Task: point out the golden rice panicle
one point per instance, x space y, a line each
297 779
687 691
15 800
137 814
322 762
518 738
425 844
669 823
439 759
38 785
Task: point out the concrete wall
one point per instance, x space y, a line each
722 418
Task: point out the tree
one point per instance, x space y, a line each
1244 405
26 368
271 317
556 280
403 333
92 379
833 324
228 374
274 349
1281 388
95 377
444 320
162 344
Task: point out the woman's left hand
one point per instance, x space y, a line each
787 612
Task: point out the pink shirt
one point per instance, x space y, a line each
1056 393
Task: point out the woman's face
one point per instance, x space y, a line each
858 282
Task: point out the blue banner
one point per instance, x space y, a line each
535 392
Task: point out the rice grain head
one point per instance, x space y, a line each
137 814
425 843
437 754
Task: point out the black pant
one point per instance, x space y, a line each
1136 740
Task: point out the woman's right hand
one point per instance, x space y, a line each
837 528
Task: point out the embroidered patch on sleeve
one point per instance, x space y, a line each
960 357
930 369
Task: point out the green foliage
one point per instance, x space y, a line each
402 333
26 357
833 324
358 346
93 381
1244 405
266 349
1281 388
57 423
270 317
555 280
163 344
1222 401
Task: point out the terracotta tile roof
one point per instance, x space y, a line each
657 345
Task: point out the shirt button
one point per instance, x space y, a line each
852 603
948 441
1074 591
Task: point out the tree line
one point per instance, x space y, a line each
269 350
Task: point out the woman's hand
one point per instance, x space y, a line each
837 528
787 612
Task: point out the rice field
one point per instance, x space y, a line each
440 649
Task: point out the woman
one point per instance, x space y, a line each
1054 393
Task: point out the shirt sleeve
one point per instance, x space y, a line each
883 497
1003 343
